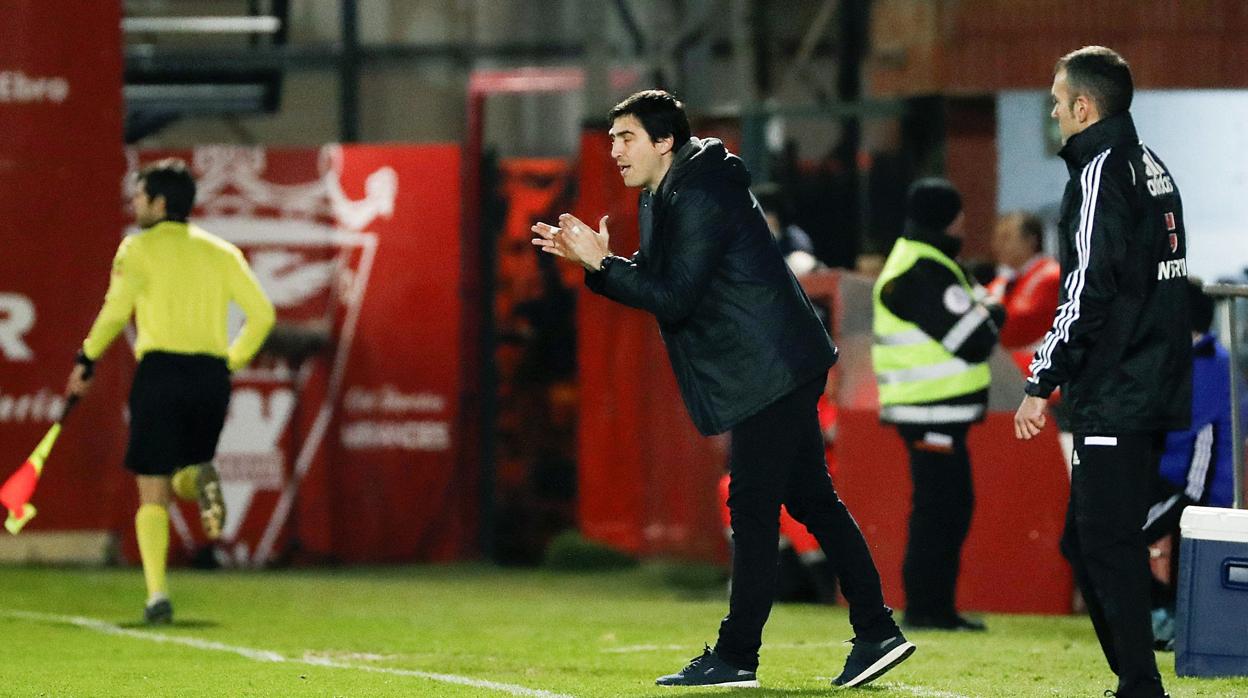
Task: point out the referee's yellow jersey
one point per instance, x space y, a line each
179 280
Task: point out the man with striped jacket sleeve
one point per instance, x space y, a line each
1120 349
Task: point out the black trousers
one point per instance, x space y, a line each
940 517
777 458
1104 541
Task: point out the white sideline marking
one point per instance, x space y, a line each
311 656
269 655
111 629
920 691
912 690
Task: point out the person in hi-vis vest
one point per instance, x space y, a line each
930 352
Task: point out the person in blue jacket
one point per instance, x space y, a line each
1197 466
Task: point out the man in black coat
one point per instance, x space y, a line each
1120 348
749 355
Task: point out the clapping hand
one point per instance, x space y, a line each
575 241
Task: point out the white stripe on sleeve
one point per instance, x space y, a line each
1068 312
1202 457
1159 510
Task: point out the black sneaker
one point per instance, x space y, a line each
211 501
955 623
709 670
868 661
158 613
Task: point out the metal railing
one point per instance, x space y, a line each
1230 293
248 24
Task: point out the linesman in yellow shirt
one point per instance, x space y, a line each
178 281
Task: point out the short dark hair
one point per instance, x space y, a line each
172 179
1199 306
1100 74
660 113
1030 225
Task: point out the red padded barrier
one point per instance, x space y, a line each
1011 561
648 479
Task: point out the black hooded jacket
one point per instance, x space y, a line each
738 328
1121 344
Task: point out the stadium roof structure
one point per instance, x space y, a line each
180 65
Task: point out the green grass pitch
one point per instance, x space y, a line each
476 630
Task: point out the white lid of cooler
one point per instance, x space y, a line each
1215 523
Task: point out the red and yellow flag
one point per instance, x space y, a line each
17 490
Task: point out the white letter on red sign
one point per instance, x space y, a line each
17 316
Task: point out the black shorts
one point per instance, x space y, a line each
177 409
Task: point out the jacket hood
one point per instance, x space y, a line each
700 157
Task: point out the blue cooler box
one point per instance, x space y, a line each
1211 632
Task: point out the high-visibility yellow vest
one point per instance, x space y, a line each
912 367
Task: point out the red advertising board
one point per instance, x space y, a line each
647 478
345 452
60 173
